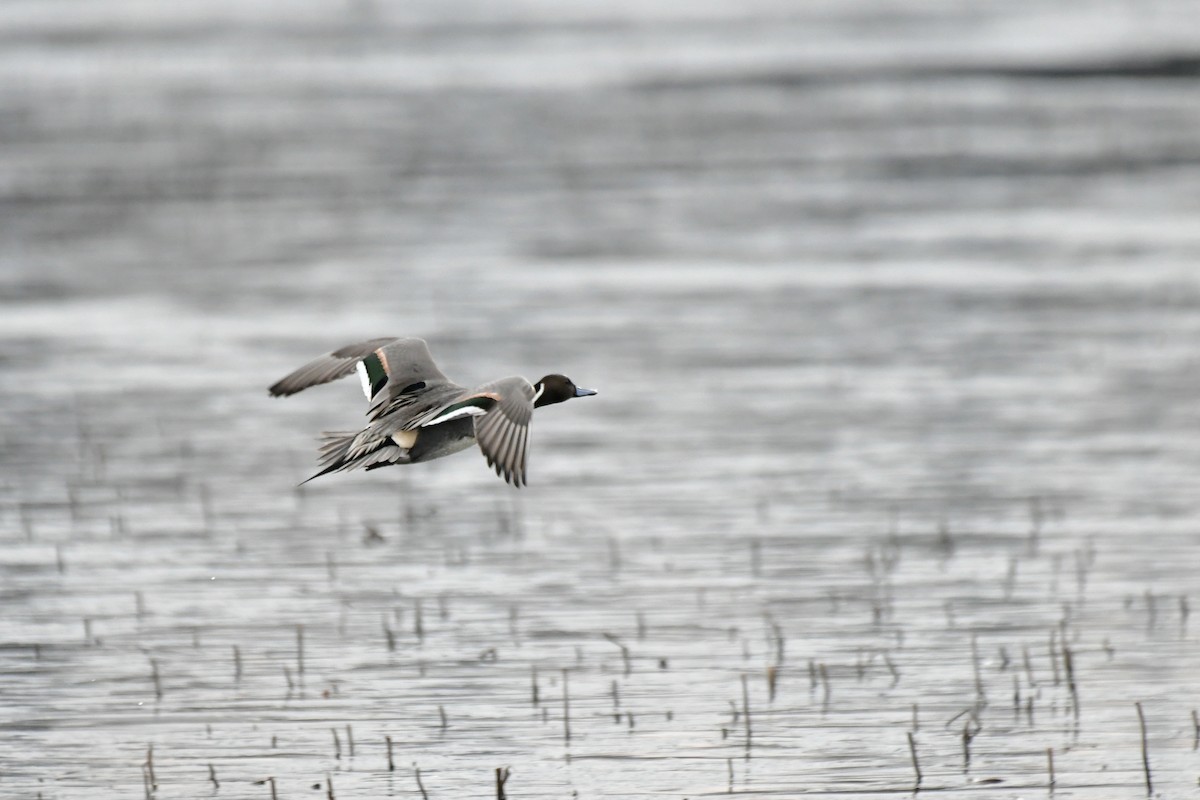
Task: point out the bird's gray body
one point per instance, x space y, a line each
446 439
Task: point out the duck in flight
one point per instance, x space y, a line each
417 414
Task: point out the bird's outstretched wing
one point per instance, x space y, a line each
502 431
329 367
402 380
388 366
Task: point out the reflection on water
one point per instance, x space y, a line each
892 311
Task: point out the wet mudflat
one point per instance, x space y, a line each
893 314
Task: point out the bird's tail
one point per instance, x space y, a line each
341 451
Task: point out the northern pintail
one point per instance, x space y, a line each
418 414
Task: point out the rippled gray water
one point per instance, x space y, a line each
893 310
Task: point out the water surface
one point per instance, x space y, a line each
892 312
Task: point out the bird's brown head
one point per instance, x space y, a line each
557 389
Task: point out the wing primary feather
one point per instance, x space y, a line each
504 445
518 463
522 450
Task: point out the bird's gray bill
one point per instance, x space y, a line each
581 392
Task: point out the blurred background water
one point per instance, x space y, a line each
892 308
